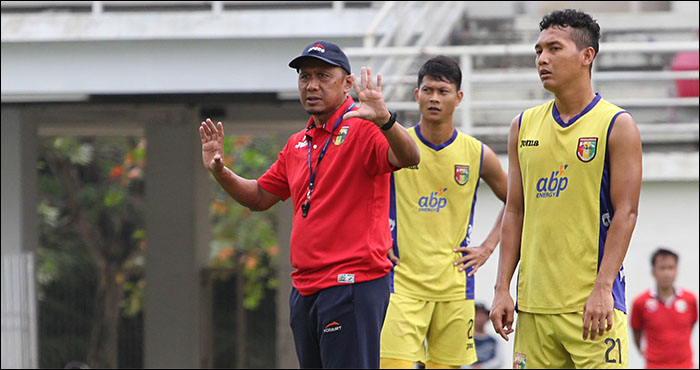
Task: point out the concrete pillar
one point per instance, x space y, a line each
19 241
177 313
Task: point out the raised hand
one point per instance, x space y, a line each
372 107
212 145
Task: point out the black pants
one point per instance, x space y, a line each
340 326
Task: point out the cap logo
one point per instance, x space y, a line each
317 47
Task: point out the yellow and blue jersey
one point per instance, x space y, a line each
431 213
566 191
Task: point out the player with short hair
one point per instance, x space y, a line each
432 210
574 178
665 316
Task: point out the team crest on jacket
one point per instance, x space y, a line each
461 174
341 135
587 148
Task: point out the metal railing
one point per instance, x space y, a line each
99 7
684 131
416 24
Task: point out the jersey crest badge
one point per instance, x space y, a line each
341 135
519 361
651 304
461 174
587 148
680 306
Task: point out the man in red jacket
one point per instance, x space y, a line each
666 316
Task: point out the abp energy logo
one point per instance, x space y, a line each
556 183
434 202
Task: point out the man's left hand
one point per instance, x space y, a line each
372 107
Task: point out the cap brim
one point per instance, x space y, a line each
296 62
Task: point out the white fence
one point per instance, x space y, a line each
19 326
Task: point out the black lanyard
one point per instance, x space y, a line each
312 177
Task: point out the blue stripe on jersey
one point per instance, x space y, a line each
517 284
606 216
436 148
392 217
520 120
557 117
469 294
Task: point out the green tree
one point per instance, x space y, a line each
92 238
92 199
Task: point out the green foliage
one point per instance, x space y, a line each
78 152
114 197
132 304
245 240
109 175
98 178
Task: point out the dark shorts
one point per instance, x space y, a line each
340 326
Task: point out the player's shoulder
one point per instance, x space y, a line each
616 115
544 107
533 116
467 139
643 296
296 140
464 135
687 295
608 105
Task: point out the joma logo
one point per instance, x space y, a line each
529 143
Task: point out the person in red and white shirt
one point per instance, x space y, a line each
665 316
336 171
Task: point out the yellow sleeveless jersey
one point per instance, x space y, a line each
566 190
432 206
